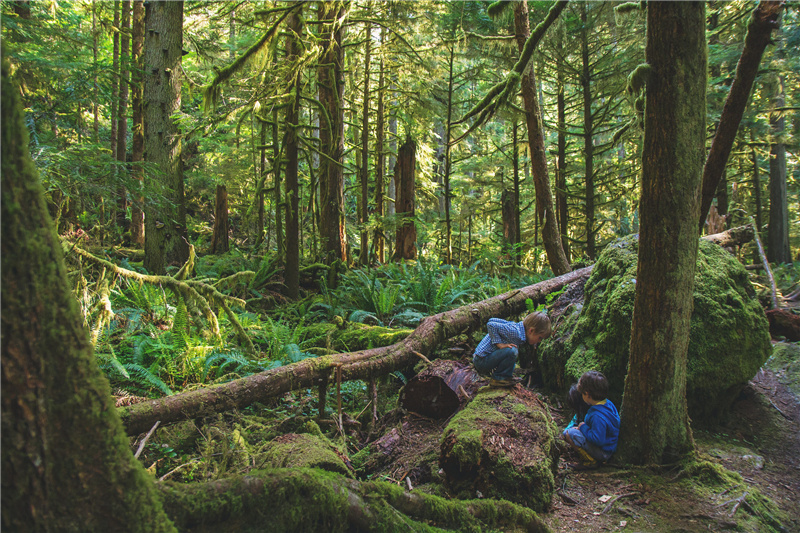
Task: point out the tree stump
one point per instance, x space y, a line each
502 445
441 389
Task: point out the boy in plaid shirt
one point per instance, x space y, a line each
498 351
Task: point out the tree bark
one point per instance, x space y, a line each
166 237
588 133
551 235
292 269
330 80
778 250
364 204
432 332
137 126
655 425
380 165
562 209
67 465
764 19
404 175
122 115
219 240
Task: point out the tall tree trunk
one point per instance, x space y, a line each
95 84
166 238
277 164
551 236
404 175
380 164
137 127
330 80
67 465
364 178
588 134
115 81
655 423
778 250
562 209
219 240
764 19
122 114
515 179
292 269
448 163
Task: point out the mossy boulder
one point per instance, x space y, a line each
295 450
728 342
502 445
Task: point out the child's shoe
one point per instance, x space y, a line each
586 461
502 383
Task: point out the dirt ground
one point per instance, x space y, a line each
760 441
749 443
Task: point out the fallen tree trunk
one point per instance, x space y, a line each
277 500
440 389
364 364
732 237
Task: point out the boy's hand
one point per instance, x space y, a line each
501 346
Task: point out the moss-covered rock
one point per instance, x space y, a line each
295 450
502 445
728 343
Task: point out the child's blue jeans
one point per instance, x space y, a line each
500 363
580 441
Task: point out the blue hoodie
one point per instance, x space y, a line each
602 426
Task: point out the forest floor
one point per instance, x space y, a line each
760 441
758 445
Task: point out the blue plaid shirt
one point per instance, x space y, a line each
501 332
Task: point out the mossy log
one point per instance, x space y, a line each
440 389
432 332
311 500
503 445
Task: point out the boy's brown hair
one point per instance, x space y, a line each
595 383
540 323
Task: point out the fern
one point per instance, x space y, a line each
145 378
294 354
224 359
180 326
364 317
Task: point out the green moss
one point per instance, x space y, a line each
785 362
729 338
304 450
521 469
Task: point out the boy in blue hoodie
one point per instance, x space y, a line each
595 438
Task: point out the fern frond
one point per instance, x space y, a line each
144 377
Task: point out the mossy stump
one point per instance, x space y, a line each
728 343
502 445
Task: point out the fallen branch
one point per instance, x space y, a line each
611 502
432 332
145 439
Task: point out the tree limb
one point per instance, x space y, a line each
765 18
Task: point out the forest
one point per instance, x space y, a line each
249 248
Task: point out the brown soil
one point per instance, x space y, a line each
760 441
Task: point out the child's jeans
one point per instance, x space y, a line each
580 441
500 363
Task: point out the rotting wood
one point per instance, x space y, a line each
432 332
434 391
